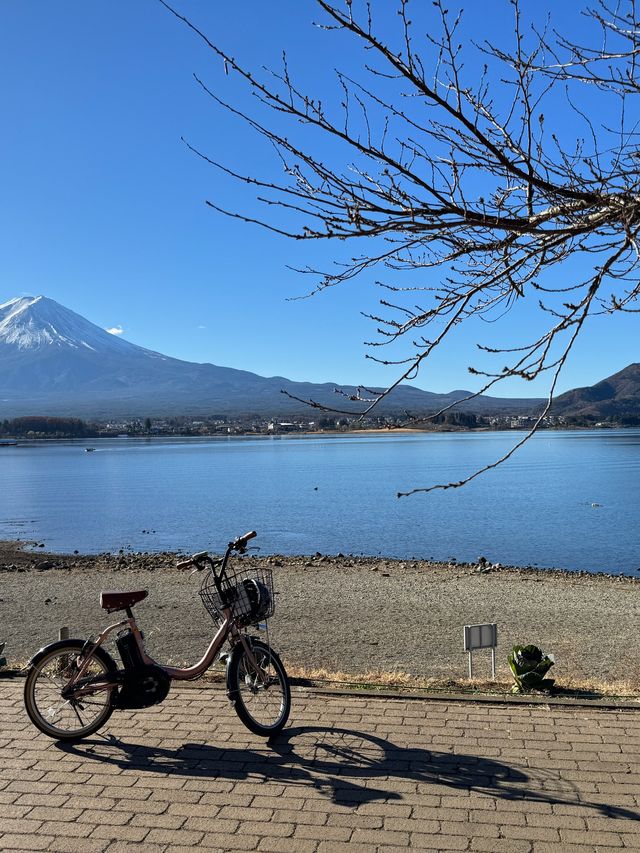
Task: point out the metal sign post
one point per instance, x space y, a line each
481 637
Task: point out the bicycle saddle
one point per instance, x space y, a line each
117 599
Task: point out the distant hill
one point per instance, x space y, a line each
618 396
55 362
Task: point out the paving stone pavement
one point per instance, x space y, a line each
378 774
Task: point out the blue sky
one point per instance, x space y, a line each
103 205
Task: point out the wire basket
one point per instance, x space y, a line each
248 590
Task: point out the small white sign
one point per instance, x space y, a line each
480 636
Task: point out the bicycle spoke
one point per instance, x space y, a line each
58 684
77 713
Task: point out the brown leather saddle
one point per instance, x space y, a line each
117 599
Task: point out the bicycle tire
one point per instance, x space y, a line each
249 694
43 668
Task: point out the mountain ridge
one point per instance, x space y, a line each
616 396
54 361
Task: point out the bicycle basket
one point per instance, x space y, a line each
248 590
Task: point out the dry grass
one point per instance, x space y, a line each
403 681
398 681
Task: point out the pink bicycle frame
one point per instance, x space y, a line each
178 673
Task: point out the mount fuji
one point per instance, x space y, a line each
55 362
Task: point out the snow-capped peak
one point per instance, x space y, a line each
35 322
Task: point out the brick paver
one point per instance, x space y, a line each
350 772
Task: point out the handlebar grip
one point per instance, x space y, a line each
195 558
192 560
241 541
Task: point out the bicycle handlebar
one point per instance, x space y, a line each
238 544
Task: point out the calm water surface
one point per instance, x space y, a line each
567 499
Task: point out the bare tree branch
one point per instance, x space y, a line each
465 183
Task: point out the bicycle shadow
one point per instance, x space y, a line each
345 765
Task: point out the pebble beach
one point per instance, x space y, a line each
350 615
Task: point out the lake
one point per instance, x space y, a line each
566 499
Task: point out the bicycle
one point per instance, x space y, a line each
73 686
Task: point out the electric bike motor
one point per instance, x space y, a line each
141 684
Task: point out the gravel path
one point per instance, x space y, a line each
353 615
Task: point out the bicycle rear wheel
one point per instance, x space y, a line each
259 692
68 718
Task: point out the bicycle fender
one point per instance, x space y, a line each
59 644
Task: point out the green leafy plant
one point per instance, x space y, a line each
529 667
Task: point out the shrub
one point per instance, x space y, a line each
529 667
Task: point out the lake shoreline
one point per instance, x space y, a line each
437 429
27 554
343 614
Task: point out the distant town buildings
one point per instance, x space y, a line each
219 425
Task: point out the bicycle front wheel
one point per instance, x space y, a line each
259 691
68 718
